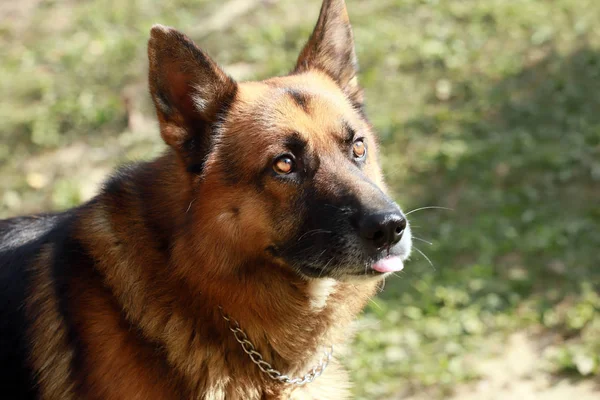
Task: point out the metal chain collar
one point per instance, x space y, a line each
257 358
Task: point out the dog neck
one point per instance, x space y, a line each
289 319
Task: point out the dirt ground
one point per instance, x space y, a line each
518 374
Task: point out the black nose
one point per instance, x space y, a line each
382 229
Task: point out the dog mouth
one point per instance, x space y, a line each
345 258
382 266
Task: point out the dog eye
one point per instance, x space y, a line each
359 149
284 165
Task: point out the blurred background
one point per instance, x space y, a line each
490 108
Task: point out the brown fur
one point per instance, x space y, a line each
51 356
126 304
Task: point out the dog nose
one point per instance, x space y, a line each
382 229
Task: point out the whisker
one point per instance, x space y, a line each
326 265
429 208
422 240
314 232
427 258
321 273
375 304
329 262
335 207
190 206
381 286
317 259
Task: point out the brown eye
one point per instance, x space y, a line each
359 148
284 165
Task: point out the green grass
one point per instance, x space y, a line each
490 108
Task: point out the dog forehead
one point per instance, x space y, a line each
308 105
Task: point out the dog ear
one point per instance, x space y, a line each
331 49
190 92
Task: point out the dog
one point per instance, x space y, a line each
232 266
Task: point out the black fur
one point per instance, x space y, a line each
301 99
20 242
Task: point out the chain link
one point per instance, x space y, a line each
257 358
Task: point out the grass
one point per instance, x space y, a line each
489 108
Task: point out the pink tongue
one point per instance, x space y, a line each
390 264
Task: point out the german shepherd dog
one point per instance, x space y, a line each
227 267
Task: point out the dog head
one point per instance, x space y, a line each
284 169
